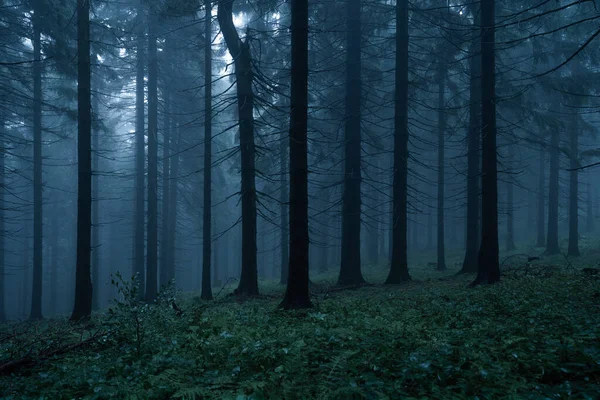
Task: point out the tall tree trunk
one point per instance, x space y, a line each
552 246
573 249
152 228
166 180
441 245
399 266
54 265
240 51
510 229
350 269
82 308
2 225
36 288
590 207
283 211
488 270
173 192
541 199
26 267
95 261
473 141
297 294
140 157
206 217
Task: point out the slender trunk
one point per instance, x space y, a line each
441 245
510 230
541 235
173 192
82 308
206 220
473 142
54 265
350 269
166 180
573 249
283 211
552 246
240 51
2 225
488 263
95 262
152 228
140 157
590 207
297 294
26 267
36 288
399 266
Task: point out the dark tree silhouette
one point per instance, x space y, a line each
350 269
399 260
573 249
240 51
82 308
441 246
488 270
152 227
541 201
297 293
552 246
206 217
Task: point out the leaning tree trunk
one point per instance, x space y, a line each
240 51
488 270
399 263
441 255
82 308
541 200
152 228
36 288
473 140
350 269
297 294
573 249
552 246
206 293
140 157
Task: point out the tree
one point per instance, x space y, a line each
399 260
350 269
82 308
473 142
441 249
36 288
206 218
140 155
541 202
552 246
2 216
152 227
488 270
240 51
297 293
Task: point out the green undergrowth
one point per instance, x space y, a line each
533 336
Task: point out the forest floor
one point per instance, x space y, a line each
535 335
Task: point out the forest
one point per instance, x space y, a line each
268 199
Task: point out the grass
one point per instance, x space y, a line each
533 336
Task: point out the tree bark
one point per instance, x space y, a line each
2 224
283 212
541 235
240 51
297 294
82 308
152 227
140 157
399 263
590 207
441 255
573 249
552 246
36 288
166 187
95 261
206 293
173 196
510 229
488 270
